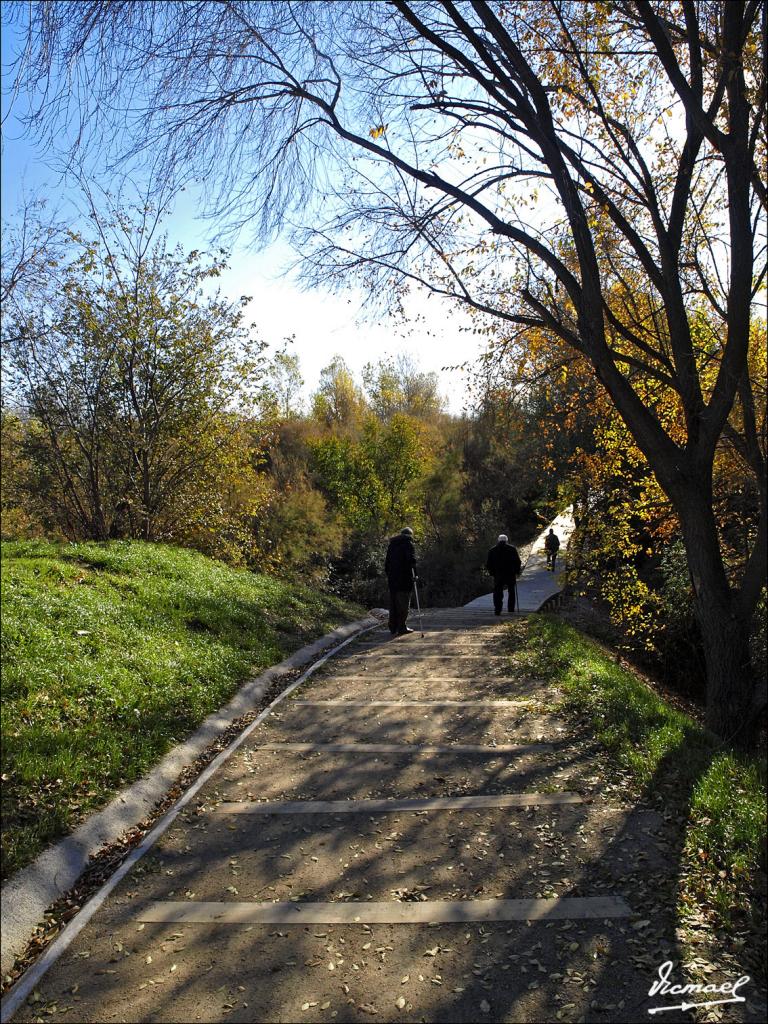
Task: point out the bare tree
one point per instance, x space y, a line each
544 163
31 246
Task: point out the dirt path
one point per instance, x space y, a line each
549 899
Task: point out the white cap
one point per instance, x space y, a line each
503 538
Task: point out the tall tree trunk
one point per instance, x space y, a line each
146 496
730 709
98 528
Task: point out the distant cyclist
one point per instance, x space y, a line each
551 546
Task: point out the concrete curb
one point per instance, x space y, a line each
29 893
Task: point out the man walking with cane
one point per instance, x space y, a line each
504 565
400 567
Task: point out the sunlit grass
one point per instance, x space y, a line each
114 652
722 793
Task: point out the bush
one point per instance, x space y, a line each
675 632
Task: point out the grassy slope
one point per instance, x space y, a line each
111 654
662 753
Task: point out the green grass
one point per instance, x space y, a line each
114 652
720 794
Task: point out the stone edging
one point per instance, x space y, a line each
28 894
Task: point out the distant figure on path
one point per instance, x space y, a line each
400 567
504 565
551 546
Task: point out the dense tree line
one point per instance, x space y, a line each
373 455
139 404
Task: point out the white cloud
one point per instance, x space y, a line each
327 324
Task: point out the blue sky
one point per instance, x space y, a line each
324 324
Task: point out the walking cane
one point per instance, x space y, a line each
517 599
418 606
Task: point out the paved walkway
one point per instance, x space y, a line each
537 583
415 834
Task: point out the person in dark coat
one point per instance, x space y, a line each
505 566
551 546
400 567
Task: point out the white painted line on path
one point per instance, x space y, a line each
380 659
449 643
410 703
394 677
388 806
443 911
411 748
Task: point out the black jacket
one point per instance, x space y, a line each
504 562
400 562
